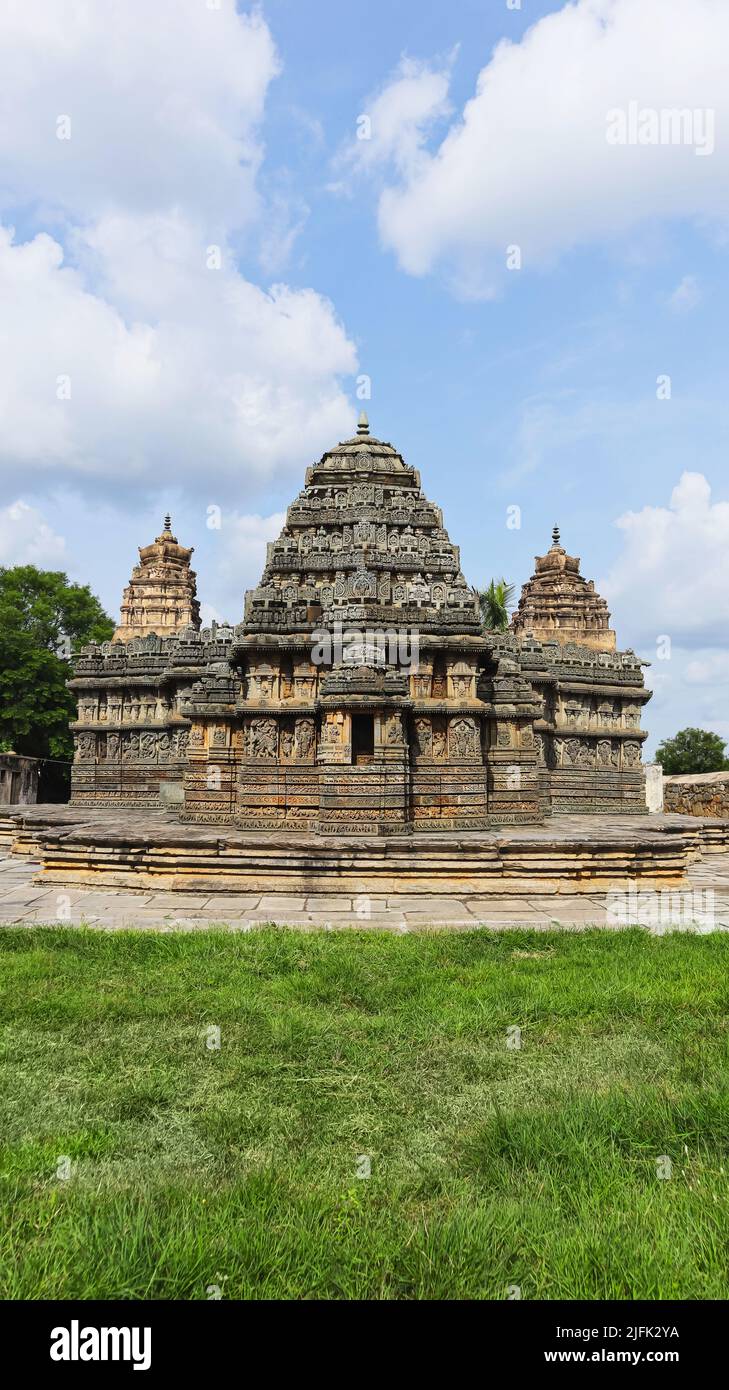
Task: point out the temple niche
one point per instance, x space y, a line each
359 694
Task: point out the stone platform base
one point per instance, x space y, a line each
570 854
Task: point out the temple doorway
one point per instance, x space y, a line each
363 738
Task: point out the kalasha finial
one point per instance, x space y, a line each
363 424
555 535
168 523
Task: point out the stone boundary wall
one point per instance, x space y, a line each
698 794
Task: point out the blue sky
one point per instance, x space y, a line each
536 388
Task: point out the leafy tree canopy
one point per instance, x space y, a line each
495 604
44 621
692 750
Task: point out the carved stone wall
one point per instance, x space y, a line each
131 736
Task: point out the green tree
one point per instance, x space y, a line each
44 621
495 603
692 750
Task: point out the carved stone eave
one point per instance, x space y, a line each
285 708
470 707
154 680
199 713
512 712
117 726
626 692
594 731
369 700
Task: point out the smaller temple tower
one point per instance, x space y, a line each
557 602
589 736
161 594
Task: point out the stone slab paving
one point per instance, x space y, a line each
27 903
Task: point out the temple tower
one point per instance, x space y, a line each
363 696
557 602
161 594
589 735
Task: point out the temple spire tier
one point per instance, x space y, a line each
161 594
559 603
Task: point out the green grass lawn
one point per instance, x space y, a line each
490 1166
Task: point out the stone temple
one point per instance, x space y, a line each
360 696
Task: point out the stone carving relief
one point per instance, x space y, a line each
607 754
462 738
423 738
147 745
570 751
260 687
364 585
304 738
440 740
264 738
440 684
130 748
394 731
333 728
286 744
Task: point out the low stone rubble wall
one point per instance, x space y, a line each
18 780
698 794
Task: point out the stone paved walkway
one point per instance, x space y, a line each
24 902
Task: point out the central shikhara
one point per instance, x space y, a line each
360 694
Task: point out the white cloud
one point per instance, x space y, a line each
689 691
672 576
164 101
708 669
240 559
686 295
394 123
178 373
209 614
528 162
27 539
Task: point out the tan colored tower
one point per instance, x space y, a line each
557 602
161 594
